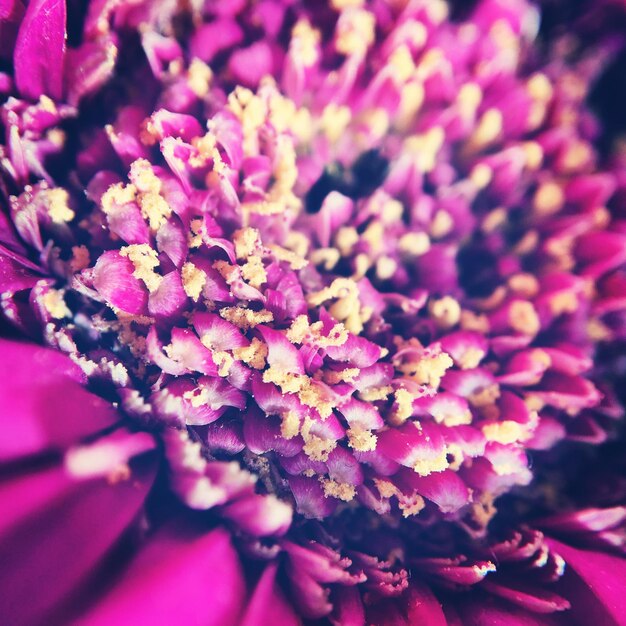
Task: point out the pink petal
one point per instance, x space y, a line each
46 513
113 279
267 604
40 49
483 611
43 403
184 575
594 583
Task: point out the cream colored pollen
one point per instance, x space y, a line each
145 260
193 279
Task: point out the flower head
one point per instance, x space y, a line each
353 265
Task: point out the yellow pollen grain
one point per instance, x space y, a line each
341 491
527 243
385 487
456 452
193 279
117 194
253 355
339 288
343 308
290 425
548 198
335 120
373 394
446 312
328 257
483 511
154 209
441 225
54 303
485 397
385 268
411 505
411 99
414 244
199 76
58 209
194 238
474 321
494 220
246 318
539 87
362 263
318 449
576 156
145 260
223 360
534 154
487 131
254 272
470 358
296 262
361 439
339 5
304 43
301 331
523 284
402 407
391 211
345 239
534 402
298 243
425 467
197 397
374 235
287 381
523 318
425 147
356 34
143 177
346 375
469 98
429 369
481 175
505 432
314 396
431 60
402 63
563 302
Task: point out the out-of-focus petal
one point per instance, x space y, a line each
183 575
40 50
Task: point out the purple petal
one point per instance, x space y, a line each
44 404
184 575
40 50
267 604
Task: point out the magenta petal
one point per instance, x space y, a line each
594 583
182 576
531 597
40 49
423 607
267 604
44 406
445 488
483 611
113 278
48 519
169 299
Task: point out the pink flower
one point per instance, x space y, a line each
341 287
